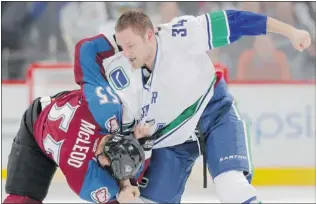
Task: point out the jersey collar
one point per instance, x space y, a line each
156 60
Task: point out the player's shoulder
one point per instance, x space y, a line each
184 27
116 60
181 21
65 97
180 34
110 36
117 66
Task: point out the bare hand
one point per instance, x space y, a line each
300 39
142 130
128 193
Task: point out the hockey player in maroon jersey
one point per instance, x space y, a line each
77 131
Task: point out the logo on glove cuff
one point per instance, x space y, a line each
148 144
101 195
128 168
112 125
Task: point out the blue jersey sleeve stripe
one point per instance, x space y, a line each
103 105
102 113
90 65
103 46
234 38
89 53
226 26
245 23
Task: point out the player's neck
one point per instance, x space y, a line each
150 63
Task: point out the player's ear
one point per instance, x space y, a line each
149 35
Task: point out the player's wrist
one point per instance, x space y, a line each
125 183
290 32
103 160
284 29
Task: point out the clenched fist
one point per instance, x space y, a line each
300 39
142 130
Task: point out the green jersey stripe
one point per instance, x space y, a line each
129 124
219 28
184 116
127 127
187 113
227 27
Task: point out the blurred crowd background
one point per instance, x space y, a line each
47 32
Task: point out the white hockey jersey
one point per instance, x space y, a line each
178 89
183 77
181 83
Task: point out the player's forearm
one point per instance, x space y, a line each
276 26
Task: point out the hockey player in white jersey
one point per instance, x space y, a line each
180 96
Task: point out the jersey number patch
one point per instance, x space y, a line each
66 112
52 147
104 97
177 29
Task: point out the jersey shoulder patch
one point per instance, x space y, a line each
117 69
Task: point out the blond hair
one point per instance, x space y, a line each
138 21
